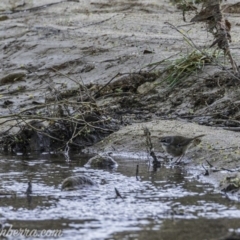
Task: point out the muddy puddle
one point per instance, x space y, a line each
168 203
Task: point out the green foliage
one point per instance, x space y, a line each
181 68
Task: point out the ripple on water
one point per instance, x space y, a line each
159 195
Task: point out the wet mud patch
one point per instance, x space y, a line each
125 84
59 132
211 100
123 6
231 8
213 97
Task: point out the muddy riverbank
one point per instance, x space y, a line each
111 54
93 41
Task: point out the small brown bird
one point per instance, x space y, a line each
177 146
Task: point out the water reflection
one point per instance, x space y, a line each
167 202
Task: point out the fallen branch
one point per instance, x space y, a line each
39 7
118 193
150 149
137 172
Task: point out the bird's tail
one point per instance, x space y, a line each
199 136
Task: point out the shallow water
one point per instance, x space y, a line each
164 204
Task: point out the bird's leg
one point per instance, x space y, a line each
176 162
179 159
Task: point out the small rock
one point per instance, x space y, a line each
3 18
75 182
146 87
101 161
12 77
